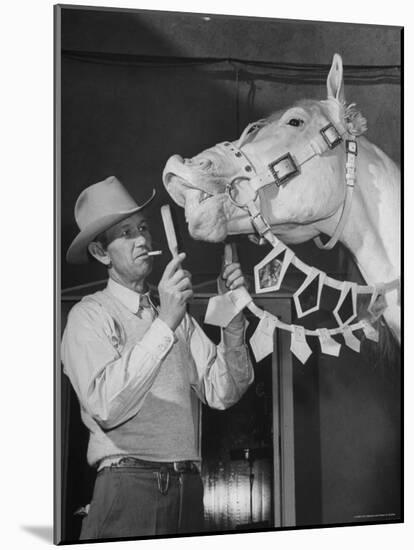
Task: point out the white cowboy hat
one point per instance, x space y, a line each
98 207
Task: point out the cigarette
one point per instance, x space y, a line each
155 253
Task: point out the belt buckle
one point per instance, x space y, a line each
178 467
181 466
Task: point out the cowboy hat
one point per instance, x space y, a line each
98 207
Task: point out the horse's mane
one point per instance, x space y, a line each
356 123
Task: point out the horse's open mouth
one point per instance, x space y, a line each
184 183
180 190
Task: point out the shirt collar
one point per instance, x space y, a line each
129 298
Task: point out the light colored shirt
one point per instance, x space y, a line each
138 382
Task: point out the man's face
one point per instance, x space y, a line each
128 242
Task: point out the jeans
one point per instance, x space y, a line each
131 501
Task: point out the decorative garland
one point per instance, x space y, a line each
344 287
222 309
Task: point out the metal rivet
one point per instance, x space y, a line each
238 154
248 168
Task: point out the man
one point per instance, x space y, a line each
139 372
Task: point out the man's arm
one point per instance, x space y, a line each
224 373
220 374
110 385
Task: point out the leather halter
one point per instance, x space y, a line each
286 167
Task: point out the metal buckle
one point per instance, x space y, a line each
260 224
229 189
180 466
283 169
331 135
184 466
351 146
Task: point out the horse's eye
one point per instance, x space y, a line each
296 122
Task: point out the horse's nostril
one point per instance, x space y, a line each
205 163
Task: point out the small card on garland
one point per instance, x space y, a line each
351 340
269 273
378 302
309 279
370 332
298 344
329 346
262 341
223 308
348 290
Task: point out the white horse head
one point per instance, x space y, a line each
292 166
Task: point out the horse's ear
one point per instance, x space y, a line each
335 80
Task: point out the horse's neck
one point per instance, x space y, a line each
372 232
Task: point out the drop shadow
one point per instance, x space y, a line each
43 532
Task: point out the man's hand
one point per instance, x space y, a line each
175 290
231 277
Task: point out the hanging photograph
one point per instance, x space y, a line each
228 263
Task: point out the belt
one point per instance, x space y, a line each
177 467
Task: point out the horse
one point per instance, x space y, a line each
308 171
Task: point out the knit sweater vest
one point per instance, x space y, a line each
166 426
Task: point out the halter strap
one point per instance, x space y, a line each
350 177
288 166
